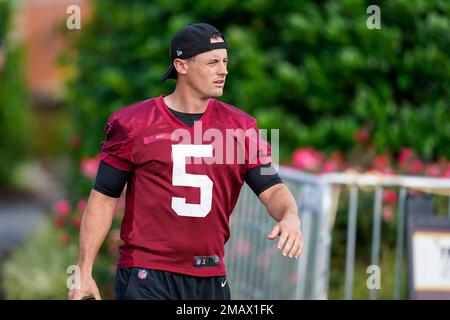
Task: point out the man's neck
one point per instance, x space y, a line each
183 102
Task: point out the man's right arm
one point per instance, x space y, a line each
98 215
95 225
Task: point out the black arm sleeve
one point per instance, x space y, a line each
259 182
110 181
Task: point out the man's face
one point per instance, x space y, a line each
206 73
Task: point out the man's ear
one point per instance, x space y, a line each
180 65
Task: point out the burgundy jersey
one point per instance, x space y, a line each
185 182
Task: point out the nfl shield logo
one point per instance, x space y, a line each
142 274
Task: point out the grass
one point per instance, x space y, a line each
360 289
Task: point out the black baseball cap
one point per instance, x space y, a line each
193 39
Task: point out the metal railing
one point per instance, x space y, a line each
256 270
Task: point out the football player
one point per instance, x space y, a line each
184 158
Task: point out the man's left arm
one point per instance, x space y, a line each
282 207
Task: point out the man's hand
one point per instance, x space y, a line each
291 237
282 207
86 288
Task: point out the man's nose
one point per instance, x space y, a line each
223 69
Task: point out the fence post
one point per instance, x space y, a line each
376 234
400 242
321 267
351 240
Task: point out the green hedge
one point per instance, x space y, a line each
312 69
14 118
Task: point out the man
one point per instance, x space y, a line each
181 188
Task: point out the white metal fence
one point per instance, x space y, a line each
256 270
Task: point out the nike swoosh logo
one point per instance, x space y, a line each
223 283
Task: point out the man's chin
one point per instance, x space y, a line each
217 93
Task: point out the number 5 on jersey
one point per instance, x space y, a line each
180 178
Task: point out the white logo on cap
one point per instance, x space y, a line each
179 53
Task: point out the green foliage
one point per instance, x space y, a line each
39 268
312 65
13 103
360 290
51 123
4 18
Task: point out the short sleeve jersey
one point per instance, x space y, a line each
185 182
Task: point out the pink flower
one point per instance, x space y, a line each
89 166
76 222
380 162
390 196
416 167
362 135
62 208
81 205
307 159
405 155
330 166
388 213
446 174
59 223
433 170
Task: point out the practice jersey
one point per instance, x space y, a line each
185 182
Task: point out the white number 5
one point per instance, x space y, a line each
181 178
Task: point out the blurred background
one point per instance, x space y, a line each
345 97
